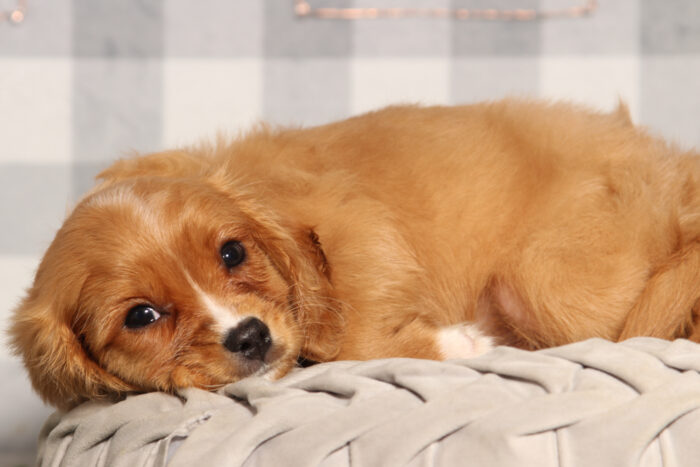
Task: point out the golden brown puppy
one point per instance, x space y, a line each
415 232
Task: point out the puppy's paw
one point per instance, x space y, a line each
463 341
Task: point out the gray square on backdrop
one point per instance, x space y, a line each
613 28
213 28
35 202
495 37
484 78
287 35
83 177
403 37
670 98
117 108
670 27
45 31
306 92
125 28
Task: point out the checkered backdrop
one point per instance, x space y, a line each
85 81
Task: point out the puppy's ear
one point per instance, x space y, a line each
323 321
316 251
60 369
301 259
297 254
163 164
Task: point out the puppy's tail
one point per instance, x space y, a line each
668 307
623 112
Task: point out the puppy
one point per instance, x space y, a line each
408 232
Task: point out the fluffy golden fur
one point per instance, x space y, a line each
405 232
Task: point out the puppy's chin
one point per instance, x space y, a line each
277 363
276 370
213 380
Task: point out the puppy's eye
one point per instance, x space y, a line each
232 254
140 316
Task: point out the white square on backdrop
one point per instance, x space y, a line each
475 79
596 81
379 82
205 96
36 110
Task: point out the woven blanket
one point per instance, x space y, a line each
593 403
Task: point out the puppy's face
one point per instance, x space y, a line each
158 284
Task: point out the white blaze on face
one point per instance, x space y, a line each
225 317
463 341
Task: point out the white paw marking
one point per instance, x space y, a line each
463 341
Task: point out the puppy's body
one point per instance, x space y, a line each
406 232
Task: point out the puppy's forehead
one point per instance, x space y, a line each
163 202
157 225
125 197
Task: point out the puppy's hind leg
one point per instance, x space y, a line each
667 308
416 338
463 340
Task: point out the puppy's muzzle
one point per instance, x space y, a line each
251 339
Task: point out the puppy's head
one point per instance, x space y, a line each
156 283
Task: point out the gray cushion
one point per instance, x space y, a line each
593 403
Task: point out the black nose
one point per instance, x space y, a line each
251 338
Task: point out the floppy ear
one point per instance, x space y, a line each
315 249
323 317
162 164
303 265
297 254
60 369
